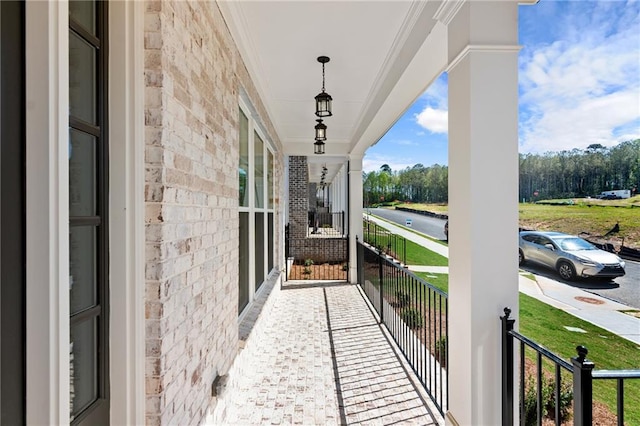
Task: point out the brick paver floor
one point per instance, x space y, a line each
323 359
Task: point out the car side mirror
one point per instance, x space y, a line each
550 246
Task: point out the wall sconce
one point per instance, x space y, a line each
323 99
321 131
318 147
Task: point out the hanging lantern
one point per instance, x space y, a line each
321 131
318 147
323 99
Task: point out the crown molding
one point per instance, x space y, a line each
471 48
448 10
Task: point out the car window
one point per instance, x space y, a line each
543 241
530 238
573 244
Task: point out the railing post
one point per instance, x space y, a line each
380 285
359 262
404 251
286 251
507 368
582 388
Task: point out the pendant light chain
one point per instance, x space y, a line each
323 109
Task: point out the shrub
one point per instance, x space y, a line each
441 351
548 400
307 266
402 298
412 318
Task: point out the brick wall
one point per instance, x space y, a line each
313 198
193 75
320 250
298 196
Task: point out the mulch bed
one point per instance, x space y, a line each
325 271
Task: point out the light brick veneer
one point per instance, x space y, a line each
193 75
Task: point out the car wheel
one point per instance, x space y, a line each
566 270
521 258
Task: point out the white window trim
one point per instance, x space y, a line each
255 127
47 213
126 212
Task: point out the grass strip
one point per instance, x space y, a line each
545 325
418 255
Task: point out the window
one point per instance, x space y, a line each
88 197
256 205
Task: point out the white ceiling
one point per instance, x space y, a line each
384 54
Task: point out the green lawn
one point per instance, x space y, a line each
418 255
596 220
545 325
440 281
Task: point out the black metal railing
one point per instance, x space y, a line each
574 386
391 244
326 225
414 312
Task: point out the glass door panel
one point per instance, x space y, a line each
84 365
243 293
82 174
82 79
82 268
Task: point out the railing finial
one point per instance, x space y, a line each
507 312
582 352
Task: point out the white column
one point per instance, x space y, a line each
355 212
483 196
47 213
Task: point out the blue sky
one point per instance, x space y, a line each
579 84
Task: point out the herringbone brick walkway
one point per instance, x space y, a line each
324 360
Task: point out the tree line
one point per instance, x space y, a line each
565 174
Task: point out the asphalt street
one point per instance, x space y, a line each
625 290
430 226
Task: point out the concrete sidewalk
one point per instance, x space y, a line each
589 307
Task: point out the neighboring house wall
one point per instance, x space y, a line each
194 76
301 196
298 197
320 250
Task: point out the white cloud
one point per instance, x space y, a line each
405 142
434 120
593 120
437 93
583 88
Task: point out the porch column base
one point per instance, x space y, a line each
449 420
355 213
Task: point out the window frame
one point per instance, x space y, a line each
98 411
255 128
